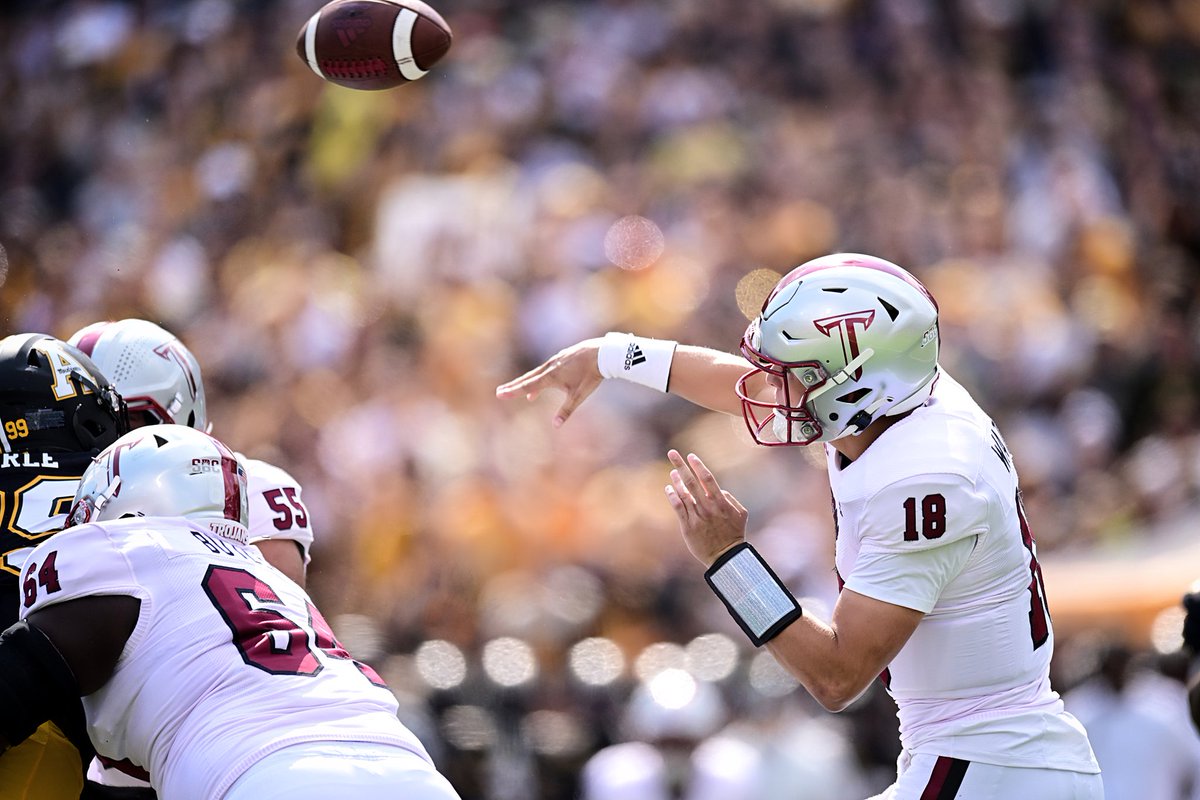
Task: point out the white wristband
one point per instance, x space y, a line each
636 359
753 593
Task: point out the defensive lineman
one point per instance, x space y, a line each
57 411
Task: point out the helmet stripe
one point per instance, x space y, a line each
87 342
230 470
233 488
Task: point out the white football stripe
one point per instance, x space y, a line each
310 43
402 44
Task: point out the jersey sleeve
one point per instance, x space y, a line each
917 535
923 512
914 580
277 510
79 562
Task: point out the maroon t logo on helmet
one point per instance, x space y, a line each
114 464
170 352
847 326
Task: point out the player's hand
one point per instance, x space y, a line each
710 518
573 369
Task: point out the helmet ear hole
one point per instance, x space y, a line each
191 420
855 396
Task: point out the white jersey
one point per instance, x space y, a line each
276 509
229 661
929 518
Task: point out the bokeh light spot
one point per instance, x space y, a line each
768 678
509 661
597 661
752 291
1166 632
440 664
711 657
672 688
658 657
634 242
469 728
554 733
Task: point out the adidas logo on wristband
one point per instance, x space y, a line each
634 356
619 353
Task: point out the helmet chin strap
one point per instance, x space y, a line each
842 375
865 417
103 498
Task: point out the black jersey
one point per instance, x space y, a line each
34 488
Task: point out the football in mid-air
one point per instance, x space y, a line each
373 44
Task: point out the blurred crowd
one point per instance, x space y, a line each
357 271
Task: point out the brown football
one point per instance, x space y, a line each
373 44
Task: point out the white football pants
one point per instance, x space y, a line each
323 770
925 777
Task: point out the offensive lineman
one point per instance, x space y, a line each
943 596
198 661
57 411
162 382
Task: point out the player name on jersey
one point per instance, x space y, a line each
27 460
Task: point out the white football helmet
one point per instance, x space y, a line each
158 377
165 471
858 334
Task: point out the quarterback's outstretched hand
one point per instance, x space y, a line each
710 518
573 369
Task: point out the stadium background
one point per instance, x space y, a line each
356 272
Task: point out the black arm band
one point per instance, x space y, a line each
35 681
753 593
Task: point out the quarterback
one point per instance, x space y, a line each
942 596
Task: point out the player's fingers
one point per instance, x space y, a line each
707 492
528 384
575 396
686 477
677 504
686 496
702 502
704 475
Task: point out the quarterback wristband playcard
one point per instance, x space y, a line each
753 593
